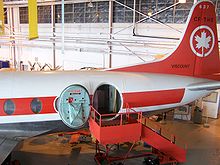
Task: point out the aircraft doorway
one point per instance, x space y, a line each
107 99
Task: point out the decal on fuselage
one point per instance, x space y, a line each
181 66
203 19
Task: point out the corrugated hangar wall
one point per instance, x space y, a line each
88 42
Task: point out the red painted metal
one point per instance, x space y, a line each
122 128
104 156
134 99
74 138
183 61
23 106
152 98
162 144
116 131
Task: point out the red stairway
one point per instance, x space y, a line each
128 127
162 144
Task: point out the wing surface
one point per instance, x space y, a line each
204 86
6 146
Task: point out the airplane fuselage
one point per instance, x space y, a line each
140 91
33 100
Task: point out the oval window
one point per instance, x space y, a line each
9 107
56 103
36 105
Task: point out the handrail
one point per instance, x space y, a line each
99 120
173 138
113 114
99 117
127 106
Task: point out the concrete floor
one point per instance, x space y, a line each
203 143
203 146
52 149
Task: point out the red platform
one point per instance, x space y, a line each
128 127
121 129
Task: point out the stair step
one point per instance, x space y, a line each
162 144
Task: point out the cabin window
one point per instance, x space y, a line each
56 104
9 107
36 105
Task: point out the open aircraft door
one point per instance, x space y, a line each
74 106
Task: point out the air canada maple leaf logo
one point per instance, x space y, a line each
202 41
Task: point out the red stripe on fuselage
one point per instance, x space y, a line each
152 98
133 99
23 106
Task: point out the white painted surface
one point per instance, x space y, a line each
44 84
211 109
29 118
40 84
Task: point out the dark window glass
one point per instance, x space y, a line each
79 13
182 11
102 12
91 14
44 14
36 105
181 16
68 13
56 103
73 13
11 0
5 16
98 12
118 12
23 12
218 11
9 107
58 13
149 6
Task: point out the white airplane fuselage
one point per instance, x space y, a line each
32 103
141 91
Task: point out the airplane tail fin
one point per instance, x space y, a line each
197 53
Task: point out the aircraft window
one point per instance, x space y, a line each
107 99
9 107
36 105
56 103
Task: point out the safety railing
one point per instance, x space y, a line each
165 133
122 118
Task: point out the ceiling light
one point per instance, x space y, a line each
182 1
150 12
90 4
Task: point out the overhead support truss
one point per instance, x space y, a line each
146 17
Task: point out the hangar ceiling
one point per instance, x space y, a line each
109 28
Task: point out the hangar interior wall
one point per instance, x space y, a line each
86 44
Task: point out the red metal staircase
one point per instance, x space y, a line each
162 144
128 127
